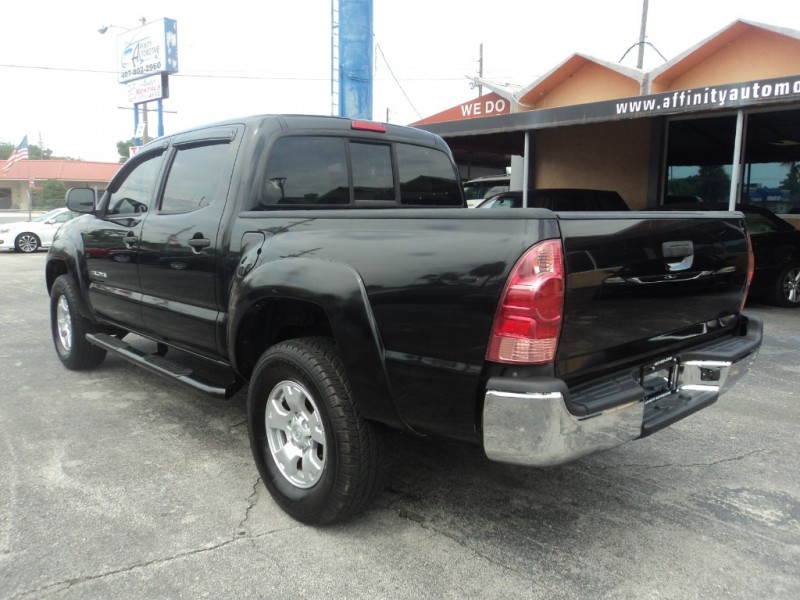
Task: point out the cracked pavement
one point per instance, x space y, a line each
117 484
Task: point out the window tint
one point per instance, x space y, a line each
427 177
699 156
372 171
136 192
306 171
199 175
64 217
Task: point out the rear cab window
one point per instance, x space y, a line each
314 171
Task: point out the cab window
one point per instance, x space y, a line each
135 193
198 177
306 171
427 177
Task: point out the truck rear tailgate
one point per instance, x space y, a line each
647 283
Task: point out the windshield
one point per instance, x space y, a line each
475 190
46 216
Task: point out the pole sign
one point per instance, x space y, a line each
155 87
148 50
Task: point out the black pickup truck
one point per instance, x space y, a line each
334 267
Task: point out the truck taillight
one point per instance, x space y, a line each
528 320
751 267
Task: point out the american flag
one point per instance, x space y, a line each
20 153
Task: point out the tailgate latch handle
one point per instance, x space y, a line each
681 252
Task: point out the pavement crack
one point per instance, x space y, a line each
426 525
75 581
252 500
681 465
68 583
237 425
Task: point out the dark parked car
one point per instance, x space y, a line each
776 247
559 199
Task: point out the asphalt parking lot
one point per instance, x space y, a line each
117 484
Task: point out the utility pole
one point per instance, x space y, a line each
480 71
642 35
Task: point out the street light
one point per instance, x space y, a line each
105 28
102 31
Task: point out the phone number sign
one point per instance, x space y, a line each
155 87
148 50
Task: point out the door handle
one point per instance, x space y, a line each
130 239
198 243
678 255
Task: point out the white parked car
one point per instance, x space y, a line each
29 236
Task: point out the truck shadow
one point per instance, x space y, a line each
453 489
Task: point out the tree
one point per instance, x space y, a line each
124 149
37 153
715 184
50 195
6 150
792 181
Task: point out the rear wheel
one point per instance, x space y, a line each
320 460
786 292
27 242
69 329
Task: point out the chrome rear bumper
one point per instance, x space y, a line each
535 428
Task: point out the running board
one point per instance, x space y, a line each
161 366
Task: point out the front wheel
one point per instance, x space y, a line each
69 329
319 459
27 242
787 287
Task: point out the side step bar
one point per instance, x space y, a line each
161 366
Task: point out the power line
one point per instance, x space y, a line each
225 76
378 46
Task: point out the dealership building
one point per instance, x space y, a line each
720 122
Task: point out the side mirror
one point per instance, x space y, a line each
81 200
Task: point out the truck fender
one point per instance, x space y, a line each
337 289
66 258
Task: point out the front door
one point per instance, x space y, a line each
111 243
180 243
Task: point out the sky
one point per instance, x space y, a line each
59 87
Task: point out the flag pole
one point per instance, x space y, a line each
30 195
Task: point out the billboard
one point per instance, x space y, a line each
148 50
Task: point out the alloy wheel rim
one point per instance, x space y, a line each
296 434
27 243
64 323
791 286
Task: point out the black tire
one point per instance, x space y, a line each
27 242
319 459
69 329
786 290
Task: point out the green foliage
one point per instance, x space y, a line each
49 195
6 150
792 181
124 150
711 183
37 153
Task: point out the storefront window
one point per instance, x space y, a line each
700 152
771 176
699 159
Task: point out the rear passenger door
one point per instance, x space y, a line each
180 241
